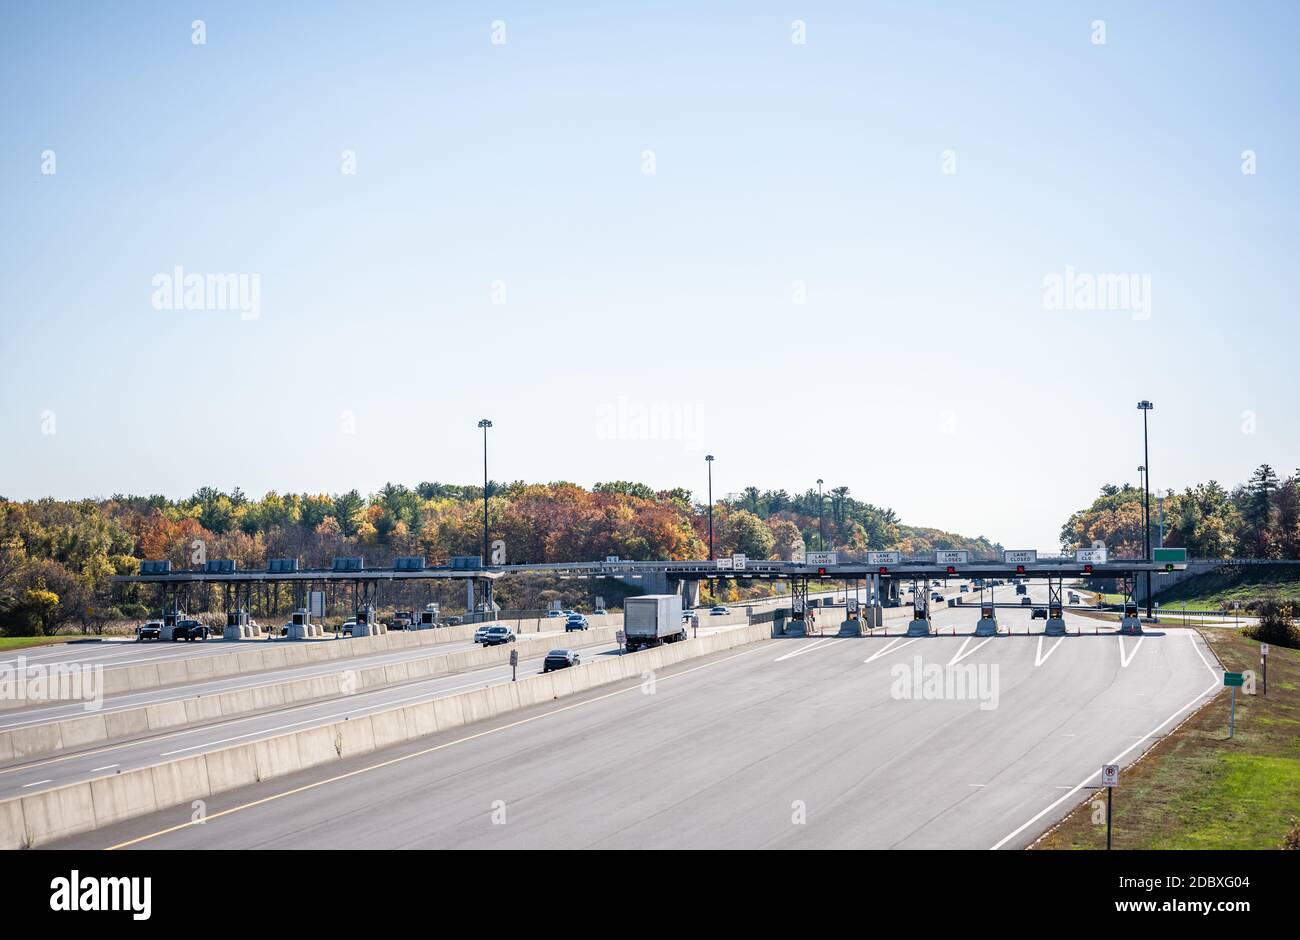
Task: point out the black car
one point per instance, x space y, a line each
189 630
560 659
149 631
1040 613
495 636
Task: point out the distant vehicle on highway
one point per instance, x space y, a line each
560 659
599 612
480 633
554 613
149 631
1021 589
652 619
1025 601
189 630
1040 613
936 597
718 611
575 622
1073 598
402 620
964 589
453 621
348 627
495 636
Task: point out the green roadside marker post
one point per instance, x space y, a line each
1233 680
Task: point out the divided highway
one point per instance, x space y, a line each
810 742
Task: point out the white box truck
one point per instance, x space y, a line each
652 619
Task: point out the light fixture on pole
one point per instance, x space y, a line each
1144 406
708 458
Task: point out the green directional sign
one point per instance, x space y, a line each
1234 678
1177 556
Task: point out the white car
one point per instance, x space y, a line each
718 611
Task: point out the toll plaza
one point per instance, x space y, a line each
346 584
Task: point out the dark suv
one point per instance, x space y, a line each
189 630
494 636
149 631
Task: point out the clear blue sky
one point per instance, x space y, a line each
924 371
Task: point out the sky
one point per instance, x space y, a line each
847 241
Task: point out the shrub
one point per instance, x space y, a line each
1275 624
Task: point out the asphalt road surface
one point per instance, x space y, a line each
816 742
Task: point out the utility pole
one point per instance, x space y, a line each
821 517
708 458
1144 406
485 424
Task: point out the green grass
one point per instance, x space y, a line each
22 642
1198 789
1216 590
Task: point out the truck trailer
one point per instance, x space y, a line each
652 619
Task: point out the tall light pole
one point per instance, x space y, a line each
821 517
708 458
1144 406
485 424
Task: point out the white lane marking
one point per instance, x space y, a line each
1125 660
35 784
1118 757
1039 657
974 784
960 655
807 649
892 645
95 770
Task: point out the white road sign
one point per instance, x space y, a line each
1019 557
1090 556
1263 649
610 559
1110 775
316 603
884 558
821 558
738 562
723 564
944 557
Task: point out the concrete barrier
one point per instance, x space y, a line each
267 655
64 811
71 733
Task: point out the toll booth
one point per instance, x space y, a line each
301 627
852 625
988 622
1055 625
920 625
239 627
1129 624
169 624
367 623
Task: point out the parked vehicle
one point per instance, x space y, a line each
189 630
653 619
149 631
1040 613
575 622
560 659
495 636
